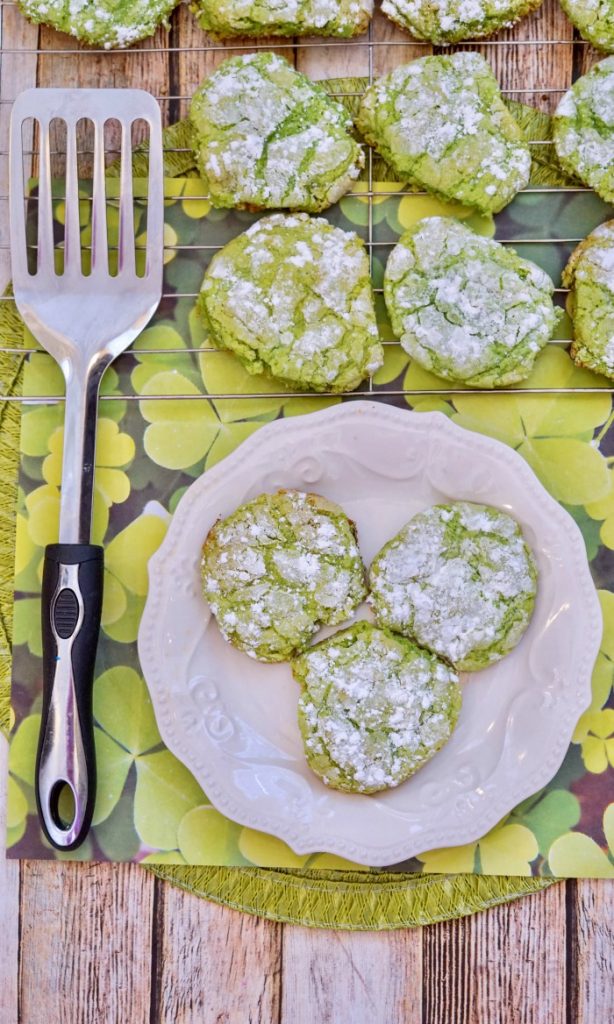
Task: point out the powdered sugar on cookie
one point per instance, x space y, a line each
374 708
459 580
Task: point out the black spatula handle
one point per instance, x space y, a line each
71 608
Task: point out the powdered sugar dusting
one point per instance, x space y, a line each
284 17
594 19
374 708
441 123
269 137
442 21
584 129
590 277
304 311
458 579
107 23
277 568
466 307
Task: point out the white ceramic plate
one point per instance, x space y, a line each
232 721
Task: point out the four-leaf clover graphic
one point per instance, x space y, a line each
595 734
576 855
508 849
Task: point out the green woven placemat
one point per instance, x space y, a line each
326 899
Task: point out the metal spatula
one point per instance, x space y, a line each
84 321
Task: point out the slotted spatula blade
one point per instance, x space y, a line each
83 319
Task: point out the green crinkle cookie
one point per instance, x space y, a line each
594 20
374 708
466 307
584 129
441 124
278 568
590 277
226 18
292 296
459 580
449 21
112 24
267 137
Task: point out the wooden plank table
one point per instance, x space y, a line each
109 944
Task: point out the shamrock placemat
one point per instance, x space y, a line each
149 808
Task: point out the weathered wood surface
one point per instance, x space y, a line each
505 966
109 944
591 942
106 943
16 74
94 931
349 978
535 72
213 964
9 914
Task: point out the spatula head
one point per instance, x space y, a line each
78 315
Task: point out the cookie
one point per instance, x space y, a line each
449 21
459 580
374 708
594 20
465 307
266 137
227 18
112 24
279 567
589 275
584 129
292 296
441 124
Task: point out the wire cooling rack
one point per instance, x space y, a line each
535 62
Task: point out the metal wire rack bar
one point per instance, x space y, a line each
370 244
382 394
232 45
376 194
536 91
186 149
192 351
373 49
194 295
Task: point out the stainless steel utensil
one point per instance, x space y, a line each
84 321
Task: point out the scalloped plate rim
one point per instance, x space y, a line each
306 840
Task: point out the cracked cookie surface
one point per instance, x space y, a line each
292 296
279 567
458 579
594 20
584 129
589 275
441 124
111 24
449 21
227 18
374 708
267 137
465 307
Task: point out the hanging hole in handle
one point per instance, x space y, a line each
63 805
